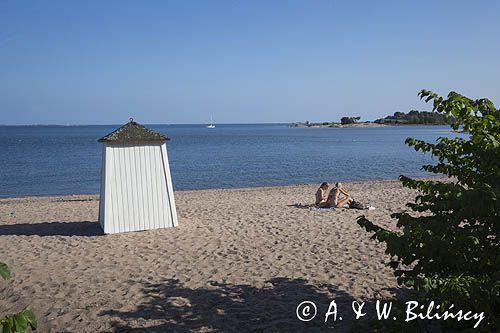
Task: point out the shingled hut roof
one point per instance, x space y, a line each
133 132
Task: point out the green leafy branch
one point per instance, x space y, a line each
21 321
448 244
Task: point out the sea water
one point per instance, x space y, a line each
53 160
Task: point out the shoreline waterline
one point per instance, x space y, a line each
257 187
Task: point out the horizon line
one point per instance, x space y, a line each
163 124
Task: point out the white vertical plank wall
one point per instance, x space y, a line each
136 188
103 183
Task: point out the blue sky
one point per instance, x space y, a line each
101 62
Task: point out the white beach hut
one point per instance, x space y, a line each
136 187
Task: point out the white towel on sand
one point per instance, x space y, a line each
321 209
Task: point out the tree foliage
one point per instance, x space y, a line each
417 117
349 120
448 244
21 321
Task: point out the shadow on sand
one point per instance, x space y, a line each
172 307
84 228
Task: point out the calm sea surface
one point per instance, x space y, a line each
39 160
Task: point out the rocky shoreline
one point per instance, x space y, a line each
334 125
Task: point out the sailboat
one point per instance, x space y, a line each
211 123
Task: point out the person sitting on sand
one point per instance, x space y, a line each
321 197
334 197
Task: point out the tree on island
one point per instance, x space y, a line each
349 120
448 245
417 117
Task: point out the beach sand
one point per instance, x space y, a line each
240 260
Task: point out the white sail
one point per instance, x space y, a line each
211 123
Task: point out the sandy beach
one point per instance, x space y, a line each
240 260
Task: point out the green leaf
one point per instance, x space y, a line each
5 271
19 322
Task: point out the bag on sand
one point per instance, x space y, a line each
358 205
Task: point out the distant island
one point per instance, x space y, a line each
413 117
335 125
